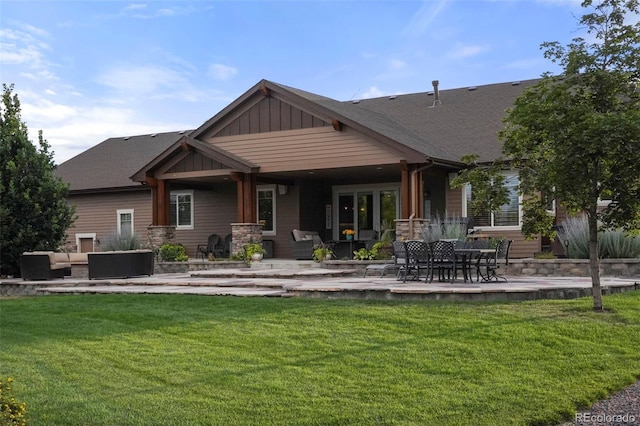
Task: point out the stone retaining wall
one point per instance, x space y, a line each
622 268
184 267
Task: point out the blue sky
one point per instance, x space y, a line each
85 71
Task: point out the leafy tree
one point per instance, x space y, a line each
34 214
575 137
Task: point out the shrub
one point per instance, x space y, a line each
116 242
12 412
453 227
363 254
618 244
612 244
322 253
173 253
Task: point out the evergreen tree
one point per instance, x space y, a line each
34 214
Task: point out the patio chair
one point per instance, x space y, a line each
418 257
213 247
400 259
226 251
443 259
487 266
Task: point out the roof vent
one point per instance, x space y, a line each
392 97
181 132
472 88
154 135
429 93
515 83
356 101
436 93
126 138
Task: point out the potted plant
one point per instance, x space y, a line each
322 253
348 233
254 252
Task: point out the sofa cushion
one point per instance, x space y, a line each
78 257
61 257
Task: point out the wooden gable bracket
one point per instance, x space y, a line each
265 90
337 125
185 146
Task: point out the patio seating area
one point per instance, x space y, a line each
444 259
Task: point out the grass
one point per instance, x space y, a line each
194 360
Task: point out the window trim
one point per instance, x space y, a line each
274 192
465 211
119 214
177 193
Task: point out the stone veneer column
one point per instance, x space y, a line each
410 229
244 233
157 236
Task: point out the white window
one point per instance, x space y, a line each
181 209
125 221
508 216
267 208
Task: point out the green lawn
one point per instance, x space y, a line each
190 360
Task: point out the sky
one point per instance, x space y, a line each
85 71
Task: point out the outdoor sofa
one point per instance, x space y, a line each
120 264
303 243
48 265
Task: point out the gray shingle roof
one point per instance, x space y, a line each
111 163
466 122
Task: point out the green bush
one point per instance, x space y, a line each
117 242
12 412
612 244
173 253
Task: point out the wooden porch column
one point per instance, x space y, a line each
163 201
405 191
246 194
159 201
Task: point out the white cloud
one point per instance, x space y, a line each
373 92
222 72
153 82
422 19
466 51
397 64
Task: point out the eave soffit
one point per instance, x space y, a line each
186 144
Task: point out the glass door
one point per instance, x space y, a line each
368 211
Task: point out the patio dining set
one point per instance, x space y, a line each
445 259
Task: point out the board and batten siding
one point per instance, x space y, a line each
269 115
97 213
306 149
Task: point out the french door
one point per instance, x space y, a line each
364 209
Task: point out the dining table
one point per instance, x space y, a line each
466 255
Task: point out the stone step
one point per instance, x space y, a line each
284 264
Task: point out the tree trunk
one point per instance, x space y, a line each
594 263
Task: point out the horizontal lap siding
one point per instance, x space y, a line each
214 211
318 148
97 213
520 248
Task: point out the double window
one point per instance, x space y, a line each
507 215
181 209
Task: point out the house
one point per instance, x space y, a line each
279 158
